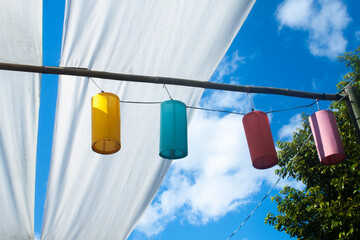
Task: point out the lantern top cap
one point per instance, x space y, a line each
173 101
322 111
254 113
107 94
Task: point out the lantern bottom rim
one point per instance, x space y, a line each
106 146
265 162
173 154
333 159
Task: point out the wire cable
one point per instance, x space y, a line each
168 92
254 209
96 84
273 186
136 102
288 109
214 110
191 107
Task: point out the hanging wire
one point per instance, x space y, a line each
214 110
254 209
288 109
273 186
136 102
167 92
96 84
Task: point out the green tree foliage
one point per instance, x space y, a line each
329 205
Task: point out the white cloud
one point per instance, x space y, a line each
357 35
227 66
325 20
287 130
314 84
227 100
295 13
37 236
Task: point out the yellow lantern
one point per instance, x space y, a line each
105 111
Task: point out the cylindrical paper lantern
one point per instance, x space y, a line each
260 141
327 137
173 130
105 111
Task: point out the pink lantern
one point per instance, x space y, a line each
327 137
260 141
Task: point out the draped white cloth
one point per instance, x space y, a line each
92 196
20 42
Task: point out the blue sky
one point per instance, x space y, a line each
286 44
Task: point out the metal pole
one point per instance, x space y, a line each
164 80
353 106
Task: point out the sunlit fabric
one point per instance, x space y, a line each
20 42
93 196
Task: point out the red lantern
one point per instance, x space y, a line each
327 137
260 141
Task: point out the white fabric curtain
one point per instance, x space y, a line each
92 196
20 42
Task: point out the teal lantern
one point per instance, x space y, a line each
173 130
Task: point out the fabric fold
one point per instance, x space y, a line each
93 196
20 43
